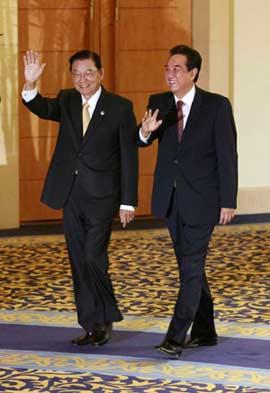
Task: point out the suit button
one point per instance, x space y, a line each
175 161
76 172
79 154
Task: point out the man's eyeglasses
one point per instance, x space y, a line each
86 75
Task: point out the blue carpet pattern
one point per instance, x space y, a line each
38 320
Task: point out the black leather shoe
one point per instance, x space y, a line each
171 348
200 342
101 334
85 339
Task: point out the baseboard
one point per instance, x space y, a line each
56 227
259 218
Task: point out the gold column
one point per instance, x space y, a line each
9 155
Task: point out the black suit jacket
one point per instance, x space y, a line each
105 158
203 165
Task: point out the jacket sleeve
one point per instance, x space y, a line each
44 107
226 148
129 157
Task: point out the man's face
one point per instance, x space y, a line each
86 77
177 76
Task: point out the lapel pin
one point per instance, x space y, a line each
102 113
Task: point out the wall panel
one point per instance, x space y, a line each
167 25
37 154
48 4
31 208
53 29
145 31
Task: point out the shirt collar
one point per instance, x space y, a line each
93 99
188 98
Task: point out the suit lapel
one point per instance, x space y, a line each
75 110
168 114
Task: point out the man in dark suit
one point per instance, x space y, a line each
94 169
195 186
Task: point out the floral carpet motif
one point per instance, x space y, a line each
36 275
36 281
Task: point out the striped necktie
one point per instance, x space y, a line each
180 119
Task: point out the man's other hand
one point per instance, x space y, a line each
226 215
126 216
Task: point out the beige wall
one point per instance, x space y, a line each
212 26
236 46
251 102
9 180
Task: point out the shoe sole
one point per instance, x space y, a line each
80 344
173 355
200 345
100 343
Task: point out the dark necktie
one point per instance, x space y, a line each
180 120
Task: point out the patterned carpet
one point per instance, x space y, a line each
37 317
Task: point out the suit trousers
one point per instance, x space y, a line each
194 302
87 236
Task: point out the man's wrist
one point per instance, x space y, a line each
143 137
29 85
29 95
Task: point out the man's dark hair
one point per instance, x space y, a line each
84 55
194 59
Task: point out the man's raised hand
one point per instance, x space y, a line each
150 122
33 68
